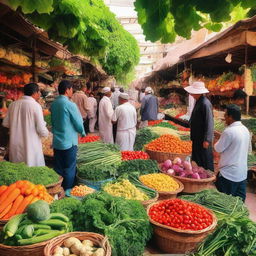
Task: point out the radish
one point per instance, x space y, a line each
167 164
171 172
177 161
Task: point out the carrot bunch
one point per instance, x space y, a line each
170 143
15 198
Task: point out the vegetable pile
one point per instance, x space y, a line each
81 191
75 247
159 182
169 143
35 226
15 198
124 222
12 172
180 214
222 204
88 138
164 130
154 122
143 137
138 166
131 155
98 161
184 169
251 160
124 188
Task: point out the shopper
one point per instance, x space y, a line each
92 112
142 94
67 122
201 126
233 146
26 123
126 118
149 107
105 115
81 100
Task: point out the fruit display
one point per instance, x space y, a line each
88 138
181 214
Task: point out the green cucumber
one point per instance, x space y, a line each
38 239
42 231
54 223
41 226
59 216
12 225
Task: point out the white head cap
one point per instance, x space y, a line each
106 90
148 89
124 96
197 87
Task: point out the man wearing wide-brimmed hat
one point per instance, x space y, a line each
201 124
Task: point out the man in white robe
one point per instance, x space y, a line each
105 115
126 118
92 112
26 123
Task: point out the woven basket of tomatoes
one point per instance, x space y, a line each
180 225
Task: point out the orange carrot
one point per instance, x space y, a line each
2 189
7 192
34 200
27 200
16 204
9 199
6 210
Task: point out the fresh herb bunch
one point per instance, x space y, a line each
48 120
139 166
167 125
124 222
143 137
222 204
11 172
250 124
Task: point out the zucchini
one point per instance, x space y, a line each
12 225
42 231
38 239
59 216
41 226
55 224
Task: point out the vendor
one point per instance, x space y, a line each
233 146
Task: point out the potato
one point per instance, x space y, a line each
88 242
71 241
57 254
58 250
76 248
99 252
66 251
86 251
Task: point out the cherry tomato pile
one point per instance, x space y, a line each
180 214
154 122
131 155
89 138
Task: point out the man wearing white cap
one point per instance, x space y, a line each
126 118
149 107
201 124
105 115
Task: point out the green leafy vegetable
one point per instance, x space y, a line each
11 172
124 222
143 137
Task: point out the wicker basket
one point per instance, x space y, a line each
27 250
54 188
194 185
160 157
167 195
172 240
97 239
150 201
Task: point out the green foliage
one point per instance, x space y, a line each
86 27
11 172
124 222
165 19
143 137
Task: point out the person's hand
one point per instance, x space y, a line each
206 144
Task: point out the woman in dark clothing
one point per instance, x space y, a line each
201 126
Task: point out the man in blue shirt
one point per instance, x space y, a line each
67 122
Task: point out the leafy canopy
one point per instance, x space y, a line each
165 19
86 27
